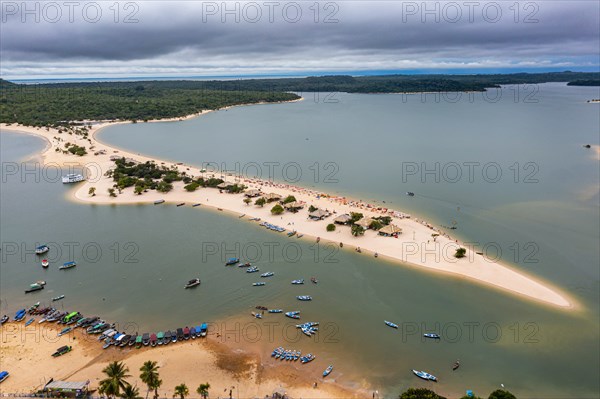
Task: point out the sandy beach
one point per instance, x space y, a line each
28 352
415 246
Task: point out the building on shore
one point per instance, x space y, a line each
343 219
252 193
319 214
272 197
70 389
294 206
390 230
365 222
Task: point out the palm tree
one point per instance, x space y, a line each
149 376
116 373
131 392
181 390
203 390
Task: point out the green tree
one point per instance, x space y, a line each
181 390
312 208
164 187
277 210
501 394
191 187
130 392
149 376
375 225
116 372
203 390
331 227
288 199
356 216
139 189
92 191
460 253
260 202
111 192
247 201
420 393
357 230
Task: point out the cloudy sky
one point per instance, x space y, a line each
57 39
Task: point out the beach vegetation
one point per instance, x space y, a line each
460 253
111 192
236 188
193 186
139 189
501 394
260 202
92 191
357 230
203 390
181 391
247 201
420 393
164 187
114 383
76 150
149 376
385 220
355 217
331 227
277 210
130 392
288 199
312 208
211 182
375 225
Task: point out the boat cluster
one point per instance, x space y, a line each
273 227
308 328
286 354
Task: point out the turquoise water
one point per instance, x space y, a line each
541 352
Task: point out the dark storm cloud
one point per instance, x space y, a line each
342 34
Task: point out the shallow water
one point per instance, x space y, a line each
148 253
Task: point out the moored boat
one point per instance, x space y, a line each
57 298
42 249
267 274
327 371
259 284
68 265
35 287
20 315
424 375
4 319
62 350
299 281
192 283
232 261
203 329
28 322
4 375
390 324
159 201
65 331
307 358
252 269
293 315
432 336
314 280
304 298
455 365
275 310
45 263
153 340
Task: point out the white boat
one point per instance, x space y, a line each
424 375
42 249
72 178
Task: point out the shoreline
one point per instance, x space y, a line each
474 267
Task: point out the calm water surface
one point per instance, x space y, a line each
133 260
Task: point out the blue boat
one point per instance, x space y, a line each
432 336
308 358
64 331
390 324
20 315
424 375
304 298
293 315
327 371
3 375
275 310
259 284
232 261
29 322
203 329
42 249
68 265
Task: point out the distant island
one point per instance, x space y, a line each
59 104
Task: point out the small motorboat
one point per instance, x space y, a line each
327 371
252 269
376 255
28 322
259 284
195 205
58 298
65 331
62 350
314 280
432 336
262 308
291 233
293 315
425 376
232 261
153 340
257 315
304 298
275 310
146 339
299 235
203 330
35 287
181 204
455 365
67 265
267 274
45 263
42 249
4 319
296 282
308 358
247 264
410 193
4 375
158 202
193 283
390 324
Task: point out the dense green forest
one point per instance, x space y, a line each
585 82
59 103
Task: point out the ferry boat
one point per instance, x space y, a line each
72 178
68 265
42 249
